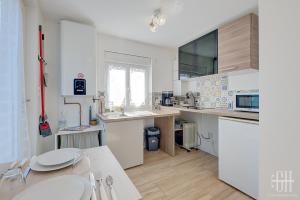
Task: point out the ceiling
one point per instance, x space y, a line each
186 19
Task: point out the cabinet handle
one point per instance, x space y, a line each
228 69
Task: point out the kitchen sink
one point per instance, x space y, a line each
114 115
140 113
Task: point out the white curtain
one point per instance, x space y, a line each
137 86
14 138
116 85
80 140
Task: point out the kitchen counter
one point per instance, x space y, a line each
123 133
111 117
217 111
121 130
174 111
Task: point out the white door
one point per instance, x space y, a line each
238 154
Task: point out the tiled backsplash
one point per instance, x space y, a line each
218 89
213 90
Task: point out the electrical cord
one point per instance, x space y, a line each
209 138
206 138
200 141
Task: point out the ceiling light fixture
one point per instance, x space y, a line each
158 19
153 26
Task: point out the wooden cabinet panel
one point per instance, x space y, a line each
238 44
167 136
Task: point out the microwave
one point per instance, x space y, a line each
247 101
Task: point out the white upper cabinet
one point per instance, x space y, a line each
78 59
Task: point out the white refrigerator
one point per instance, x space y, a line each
238 154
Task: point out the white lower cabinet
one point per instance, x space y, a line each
125 140
238 154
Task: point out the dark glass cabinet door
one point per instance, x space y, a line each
199 57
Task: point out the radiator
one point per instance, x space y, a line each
188 135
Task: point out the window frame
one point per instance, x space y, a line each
128 67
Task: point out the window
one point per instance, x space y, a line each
117 85
127 85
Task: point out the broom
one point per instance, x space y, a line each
44 126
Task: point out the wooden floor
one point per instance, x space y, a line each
188 176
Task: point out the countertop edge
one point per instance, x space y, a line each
175 111
130 118
219 112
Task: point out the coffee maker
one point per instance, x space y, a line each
167 98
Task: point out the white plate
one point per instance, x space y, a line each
35 166
57 157
67 187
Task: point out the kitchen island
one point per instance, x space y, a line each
124 133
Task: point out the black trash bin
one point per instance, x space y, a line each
152 136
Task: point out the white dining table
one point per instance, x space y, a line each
101 161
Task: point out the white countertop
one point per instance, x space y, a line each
135 115
171 111
222 112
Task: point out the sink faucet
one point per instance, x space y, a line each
156 104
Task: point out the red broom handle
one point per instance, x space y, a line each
41 71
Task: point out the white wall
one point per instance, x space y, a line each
55 107
162 59
52 56
32 19
279 32
244 81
